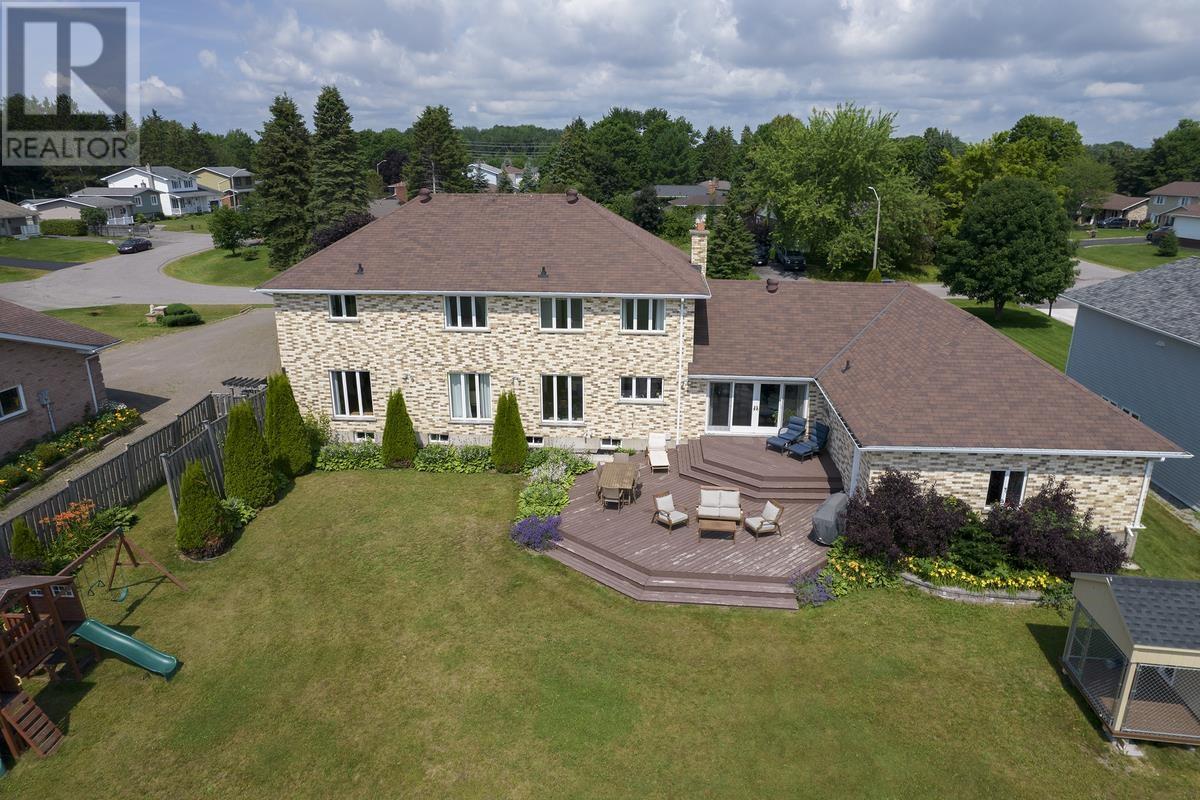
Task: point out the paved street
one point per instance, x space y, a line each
133 278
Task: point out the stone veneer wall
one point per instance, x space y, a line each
840 445
1109 486
402 341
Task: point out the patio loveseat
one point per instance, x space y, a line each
720 504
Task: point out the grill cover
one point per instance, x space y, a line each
830 520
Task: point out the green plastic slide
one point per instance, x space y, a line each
127 647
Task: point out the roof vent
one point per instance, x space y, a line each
359 271
424 195
847 367
572 196
543 273
772 285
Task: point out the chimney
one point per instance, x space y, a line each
424 195
401 191
712 188
700 248
572 196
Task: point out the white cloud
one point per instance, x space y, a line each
207 58
1116 89
157 92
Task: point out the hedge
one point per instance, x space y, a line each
248 473
64 227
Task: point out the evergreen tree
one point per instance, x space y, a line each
439 158
338 188
531 181
1168 245
201 522
717 154
509 448
615 153
287 441
567 166
399 439
247 463
283 183
647 211
730 245
25 544
504 184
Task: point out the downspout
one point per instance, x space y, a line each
854 468
87 365
679 381
1131 531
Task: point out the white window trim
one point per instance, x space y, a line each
642 401
1159 200
476 299
649 331
358 385
137 201
21 396
1004 487
577 423
569 301
329 307
478 391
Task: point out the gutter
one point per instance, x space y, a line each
469 293
1026 451
86 349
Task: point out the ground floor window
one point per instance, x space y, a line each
535 441
364 436
753 407
562 398
12 401
610 443
641 388
1006 487
438 438
470 396
351 393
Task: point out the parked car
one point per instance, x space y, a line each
762 253
789 258
134 244
1112 222
1158 233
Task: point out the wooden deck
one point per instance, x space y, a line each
627 551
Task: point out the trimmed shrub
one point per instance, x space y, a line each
178 308
1168 245
541 499
287 441
93 217
341 456
180 320
47 453
896 517
248 473
319 431
25 544
509 448
975 549
536 533
64 227
874 276
399 438
202 529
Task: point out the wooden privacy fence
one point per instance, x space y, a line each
144 465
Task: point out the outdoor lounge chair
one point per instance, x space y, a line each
814 444
665 512
767 521
656 452
790 433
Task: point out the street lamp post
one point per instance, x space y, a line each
878 210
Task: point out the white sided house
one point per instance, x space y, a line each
607 334
177 192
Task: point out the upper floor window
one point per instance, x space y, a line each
466 312
1185 201
137 201
153 199
1006 487
343 306
643 315
351 393
562 313
1159 199
470 396
12 401
562 398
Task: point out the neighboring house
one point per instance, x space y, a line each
515 174
18 220
698 197
120 212
51 376
1187 225
232 183
490 175
177 191
1165 200
1133 210
606 333
1136 342
398 190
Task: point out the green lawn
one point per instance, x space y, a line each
1106 233
374 636
66 248
249 267
127 321
1131 257
1046 338
191 222
11 274
1167 547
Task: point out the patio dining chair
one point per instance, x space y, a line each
767 521
613 497
665 512
620 458
599 472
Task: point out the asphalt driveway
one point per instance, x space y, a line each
133 278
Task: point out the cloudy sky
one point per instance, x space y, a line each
968 65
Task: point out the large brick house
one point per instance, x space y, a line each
606 333
49 374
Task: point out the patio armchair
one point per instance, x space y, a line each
656 452
665 512
767 521
789 434
814 444
720 503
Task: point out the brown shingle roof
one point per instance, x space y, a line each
1120 202
11 210
18 323
1179 189
498 243
922 372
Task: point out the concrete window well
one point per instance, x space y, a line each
1134 653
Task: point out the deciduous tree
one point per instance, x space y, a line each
647 211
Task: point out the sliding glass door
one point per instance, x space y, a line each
753 407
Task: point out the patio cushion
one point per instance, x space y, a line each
709 512
675 517
730 499
656 441
665 504
658 458
710 497
729 513
756 523
770 512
